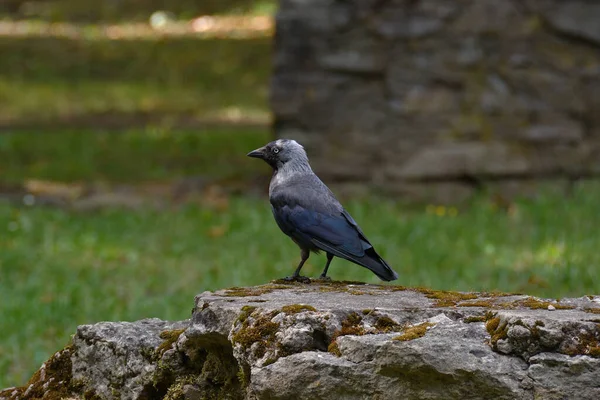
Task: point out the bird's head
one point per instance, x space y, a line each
281 152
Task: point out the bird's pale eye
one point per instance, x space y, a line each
275 150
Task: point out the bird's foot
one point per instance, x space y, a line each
298 278
324 278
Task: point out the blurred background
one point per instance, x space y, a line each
462 136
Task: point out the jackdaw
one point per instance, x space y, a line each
308 212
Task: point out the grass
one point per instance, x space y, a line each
134 155
45 80
61 269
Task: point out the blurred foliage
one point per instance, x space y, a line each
128 10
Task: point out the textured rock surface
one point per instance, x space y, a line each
408 95
337 340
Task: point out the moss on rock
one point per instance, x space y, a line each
262 331
297 308
385 324
245 313
53 381
334 349
414 332
445 298
498 330
170 337
537 304
474 318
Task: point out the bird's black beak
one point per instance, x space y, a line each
258 153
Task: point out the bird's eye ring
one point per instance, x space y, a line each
275 150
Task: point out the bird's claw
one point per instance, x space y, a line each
324 278
301 279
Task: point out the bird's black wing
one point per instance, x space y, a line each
308 212
312 228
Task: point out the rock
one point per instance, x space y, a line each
557 131
114 359
575 17
355 52
489 16
456 160
429 100
555 371
330 340
399 20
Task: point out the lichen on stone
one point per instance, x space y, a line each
414 332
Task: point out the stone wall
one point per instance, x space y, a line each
437 98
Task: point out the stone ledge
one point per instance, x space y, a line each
330 340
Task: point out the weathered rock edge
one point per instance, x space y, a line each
334 340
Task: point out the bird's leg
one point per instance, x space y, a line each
304 254
324 273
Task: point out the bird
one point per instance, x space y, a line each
308 212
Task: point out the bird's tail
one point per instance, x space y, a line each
370 260
377 265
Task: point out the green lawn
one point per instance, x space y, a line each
61 269
49 80
133 155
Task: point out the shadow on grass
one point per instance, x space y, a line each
49 80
